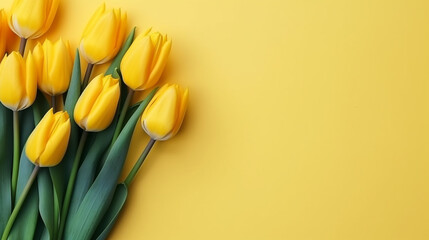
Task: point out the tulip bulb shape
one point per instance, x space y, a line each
48 142
96 107
164 115
18 81
30 19
103 35
145 60
54 64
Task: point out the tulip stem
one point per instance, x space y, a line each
15 166
71 182
22 46
87 75
19 203
139 162
53 103
122 115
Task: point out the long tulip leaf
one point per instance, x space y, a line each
60 173
6 156
99 142
25 224
46 201
47 207
96 201
109 219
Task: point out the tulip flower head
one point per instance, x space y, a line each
103 35
48 142
164 115
145 60
30 19
96 107
54 64
18 81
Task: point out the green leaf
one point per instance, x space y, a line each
117 61
6 158
46 201
131 110
109 219
25 224
98 142
40 107
47 207
96 201
40 229
61 173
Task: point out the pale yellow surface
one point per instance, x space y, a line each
307 120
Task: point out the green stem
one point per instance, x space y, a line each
19 203
122 115
70 184
87 75
139 162
15 166
22 46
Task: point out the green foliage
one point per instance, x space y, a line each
96 201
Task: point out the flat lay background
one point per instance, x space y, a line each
307 120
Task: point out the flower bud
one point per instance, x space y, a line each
31 19
163 117
48 142
54 65
96 107
143 63
103 36
18 82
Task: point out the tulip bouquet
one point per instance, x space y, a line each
64 138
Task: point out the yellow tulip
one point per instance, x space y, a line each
103 36
54 64
96 107
18 81
30 19
145 60
164 115
48 142
3 32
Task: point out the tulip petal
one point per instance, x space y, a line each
97 105
160 63
138 57
53 7
56 146
86 101
99 42
94 18
104 108
181 111
3 31
29 18
11 75
38 138
30 82
160 120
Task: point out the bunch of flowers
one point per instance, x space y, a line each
64 139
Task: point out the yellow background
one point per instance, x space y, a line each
307 120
